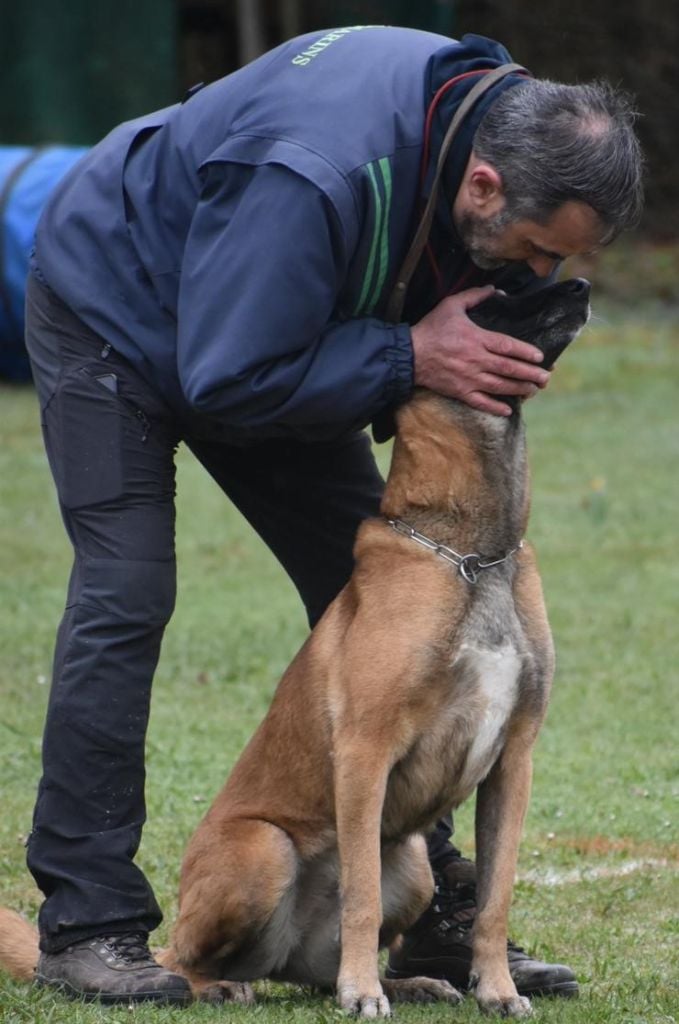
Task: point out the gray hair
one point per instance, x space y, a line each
553 143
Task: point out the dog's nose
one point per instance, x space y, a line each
580 286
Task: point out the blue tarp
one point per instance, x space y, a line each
27 176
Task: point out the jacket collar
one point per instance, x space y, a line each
471 54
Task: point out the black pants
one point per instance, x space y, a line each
111 441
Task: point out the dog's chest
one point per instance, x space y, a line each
463 739
491 678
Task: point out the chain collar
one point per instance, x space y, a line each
468 566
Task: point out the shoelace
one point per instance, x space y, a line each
457 907
130 948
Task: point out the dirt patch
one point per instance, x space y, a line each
604 846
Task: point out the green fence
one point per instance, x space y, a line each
434 15
75 68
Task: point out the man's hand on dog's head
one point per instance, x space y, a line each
460 360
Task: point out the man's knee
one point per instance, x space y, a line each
130 591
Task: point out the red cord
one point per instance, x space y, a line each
423 170
425 157
430 114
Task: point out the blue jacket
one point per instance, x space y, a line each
239 247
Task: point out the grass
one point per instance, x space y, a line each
598 876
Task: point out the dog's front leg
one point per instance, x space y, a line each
360 781
501 804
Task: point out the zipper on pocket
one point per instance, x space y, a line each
109 381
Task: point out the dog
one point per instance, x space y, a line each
426 679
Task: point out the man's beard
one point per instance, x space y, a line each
477 232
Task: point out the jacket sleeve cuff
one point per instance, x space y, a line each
399 356
400 383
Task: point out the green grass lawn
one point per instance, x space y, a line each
598 884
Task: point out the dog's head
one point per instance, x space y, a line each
549 318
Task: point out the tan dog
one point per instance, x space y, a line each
427 677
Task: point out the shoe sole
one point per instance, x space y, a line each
559 990
110 998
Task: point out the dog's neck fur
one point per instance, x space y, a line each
470 491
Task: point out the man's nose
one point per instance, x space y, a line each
542 265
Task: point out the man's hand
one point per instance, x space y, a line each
458 359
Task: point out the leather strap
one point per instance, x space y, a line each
398 294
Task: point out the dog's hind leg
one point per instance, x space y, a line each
236 875
205 989
421 990
407 886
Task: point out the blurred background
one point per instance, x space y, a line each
73 71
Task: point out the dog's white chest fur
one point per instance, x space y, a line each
496 672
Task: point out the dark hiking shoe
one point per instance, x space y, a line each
118 969
439 943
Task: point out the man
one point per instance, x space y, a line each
218 273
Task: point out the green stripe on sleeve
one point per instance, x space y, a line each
385 171
375 239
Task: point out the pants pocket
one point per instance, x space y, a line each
83 428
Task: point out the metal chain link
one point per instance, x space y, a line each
468 565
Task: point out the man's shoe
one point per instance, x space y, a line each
439 944
118 969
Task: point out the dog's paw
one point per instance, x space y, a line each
498 997
421 990
227 992
506 1006
363 1004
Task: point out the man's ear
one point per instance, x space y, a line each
485 187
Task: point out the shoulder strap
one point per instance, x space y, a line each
398 294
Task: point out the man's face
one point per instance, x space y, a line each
494 239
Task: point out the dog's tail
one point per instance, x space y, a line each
18 946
